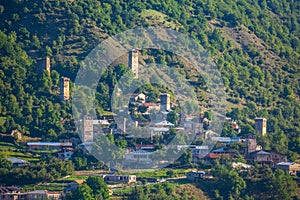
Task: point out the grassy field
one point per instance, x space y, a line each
2 120
72 178
162 173
10 150
7 146
120 192
187 188
46 186
153 17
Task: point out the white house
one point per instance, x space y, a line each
16 162
195 175
139 97
241 165
290 167
120 178
139 156
162 123
102 122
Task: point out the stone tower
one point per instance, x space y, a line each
134 62
87 129
64 88
44 64
251 144
261 126
165 102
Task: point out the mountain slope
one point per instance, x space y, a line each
254 43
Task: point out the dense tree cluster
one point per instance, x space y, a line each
66 31
160 191
45 170
93 188
30 101
259 182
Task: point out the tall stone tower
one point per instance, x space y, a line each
44 64
134 62
87 129
261 126
251 144
64 88
165 102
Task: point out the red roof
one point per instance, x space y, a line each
215 155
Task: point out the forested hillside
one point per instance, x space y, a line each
254 43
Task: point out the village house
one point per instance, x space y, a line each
120 179
161 126
101 122
73 185
137 97
48 145
290 167
198 152
16 162
224 150
14 193
146 147
160 130
213 156
195 175
151 106
228 140
42 195
244 166
264 157
140 156
66 154
11 193
162 123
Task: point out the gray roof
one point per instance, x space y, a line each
37 192
12 189
286 163
17 161
263 152
140 152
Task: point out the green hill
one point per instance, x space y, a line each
254 43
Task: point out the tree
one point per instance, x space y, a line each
279 142
228 131
48 51
173 117
98 186
83 192
139 194
208 115
230 184
186 157
142 109
282 185
171 173
4 163
121 143
80 162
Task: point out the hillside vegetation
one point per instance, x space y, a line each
254 43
